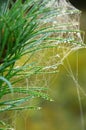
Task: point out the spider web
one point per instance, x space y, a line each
53 58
